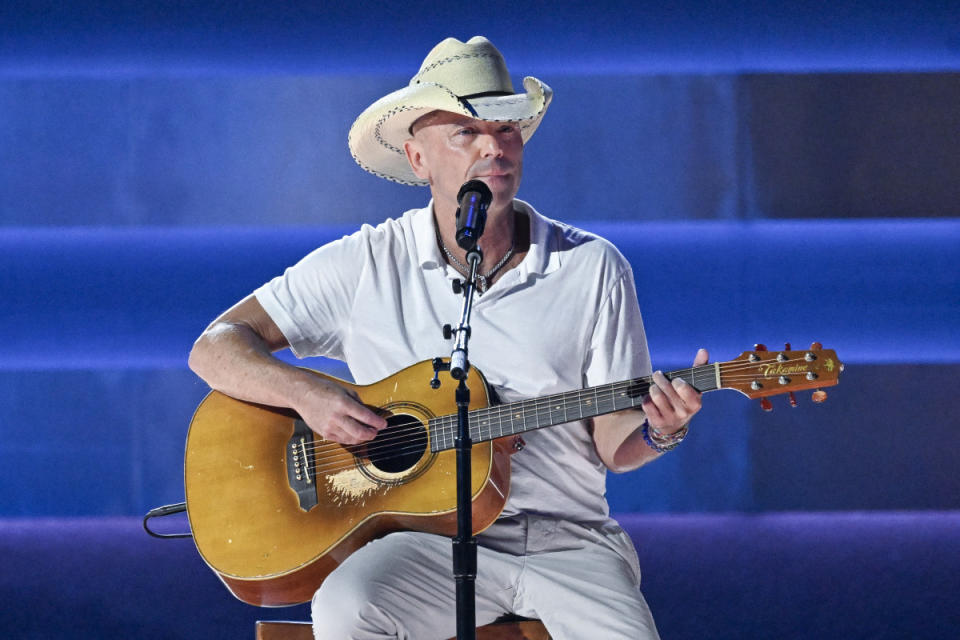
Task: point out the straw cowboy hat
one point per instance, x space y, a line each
470 78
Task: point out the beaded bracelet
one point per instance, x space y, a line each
663 442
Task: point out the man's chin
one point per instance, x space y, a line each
504 188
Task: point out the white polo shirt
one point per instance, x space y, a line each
566 317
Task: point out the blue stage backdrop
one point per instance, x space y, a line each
773 173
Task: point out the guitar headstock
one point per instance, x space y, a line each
761 373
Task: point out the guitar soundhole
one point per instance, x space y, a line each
400 446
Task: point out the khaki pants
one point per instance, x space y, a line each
582 583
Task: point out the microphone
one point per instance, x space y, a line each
473 199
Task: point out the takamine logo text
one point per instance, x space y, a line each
779 369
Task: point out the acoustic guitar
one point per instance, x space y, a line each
274 508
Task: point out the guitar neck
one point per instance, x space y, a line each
546 411
755 374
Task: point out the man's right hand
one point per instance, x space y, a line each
336 413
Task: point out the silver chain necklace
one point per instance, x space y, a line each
482 279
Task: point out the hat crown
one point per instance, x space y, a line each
466 68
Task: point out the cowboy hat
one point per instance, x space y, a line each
469 78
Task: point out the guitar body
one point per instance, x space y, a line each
253 529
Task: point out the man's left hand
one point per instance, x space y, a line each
671 405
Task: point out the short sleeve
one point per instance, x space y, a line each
618 346
311 301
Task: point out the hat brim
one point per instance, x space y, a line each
377 136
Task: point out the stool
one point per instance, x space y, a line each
506 628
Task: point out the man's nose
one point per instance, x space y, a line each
490 145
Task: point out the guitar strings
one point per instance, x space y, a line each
530 408
442 426
327 452
534 406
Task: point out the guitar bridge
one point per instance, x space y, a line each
300 470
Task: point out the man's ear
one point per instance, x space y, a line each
415 157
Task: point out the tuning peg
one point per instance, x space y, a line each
819 396
782 356
793 400
765 404
757 347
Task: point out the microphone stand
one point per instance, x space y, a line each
464 544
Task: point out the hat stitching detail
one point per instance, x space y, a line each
444 61
384 118
379 174
520 98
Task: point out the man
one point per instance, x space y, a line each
556 311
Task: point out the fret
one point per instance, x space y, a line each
541 422
703 378
606 402
620 400
437 440
478 424
525 416
513 424
557 414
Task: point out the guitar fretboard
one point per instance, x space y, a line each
512 418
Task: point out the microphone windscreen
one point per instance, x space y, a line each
476 186
473 199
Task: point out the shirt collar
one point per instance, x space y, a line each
541 258
425 237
